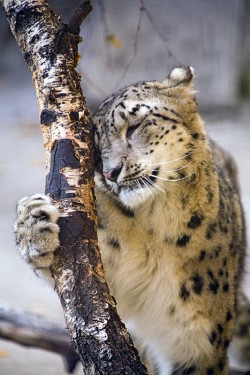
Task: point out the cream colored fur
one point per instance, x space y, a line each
170 226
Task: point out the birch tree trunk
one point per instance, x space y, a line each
50 50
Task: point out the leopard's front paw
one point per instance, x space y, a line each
36 230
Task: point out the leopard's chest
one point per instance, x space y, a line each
140 270
145 276
141 264
146 266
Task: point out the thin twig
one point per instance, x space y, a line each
105 29
94 85
135 48
152 22
143 9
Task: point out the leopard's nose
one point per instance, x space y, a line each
112 174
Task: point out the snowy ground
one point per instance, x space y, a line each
22 173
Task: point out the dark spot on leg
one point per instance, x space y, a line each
213 286
184 293
216 252
100 224
202 255
211 230
195 220
225 287
226 344
210 274
229 316
218 344
195 135
220 328
212 337
221 364
189 370
220 273
171 310
210 371
114 243
197 283
210 194
182 242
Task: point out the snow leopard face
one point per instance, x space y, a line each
145 137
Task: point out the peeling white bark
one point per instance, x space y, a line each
50 51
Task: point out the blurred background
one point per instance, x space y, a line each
123 41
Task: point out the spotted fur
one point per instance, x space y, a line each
171 227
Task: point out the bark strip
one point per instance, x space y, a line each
51 52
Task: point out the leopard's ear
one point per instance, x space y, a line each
182 74
179 76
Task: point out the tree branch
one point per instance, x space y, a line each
79 16
50 50
28 329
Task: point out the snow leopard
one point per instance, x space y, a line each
170 227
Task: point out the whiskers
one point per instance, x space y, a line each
174 170
148 180
173 179
147 186
172 161
153 184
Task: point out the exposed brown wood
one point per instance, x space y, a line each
51 52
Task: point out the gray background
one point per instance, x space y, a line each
210 35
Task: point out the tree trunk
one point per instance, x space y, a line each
50 50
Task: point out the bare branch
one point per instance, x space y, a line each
31 330
79 16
